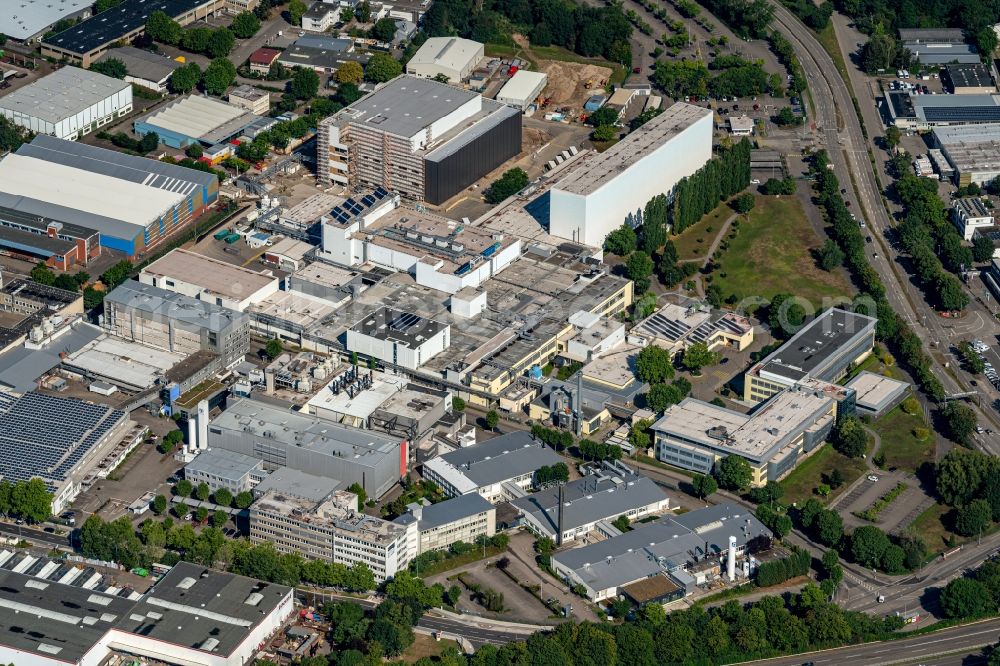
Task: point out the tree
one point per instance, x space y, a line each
223 497
245 25
830 255
966 598
149 142
733 472
653 366
350 72
384 30
698 356
218 77
960 421
194 151
243 499
829 528
982 248
457 404
273 348
510 183
161 28
621 523
304 83
605 133
639 268
661 396
868 543
382 67
744 203
183 488
850 438
786 117
359 490
159 504
112 67
180 510
203 492
703 485
219 518
201 514
42 274
621 241
974 518
492 419
785 315
892 136
767 494
296 8
185 78
363 11
986 42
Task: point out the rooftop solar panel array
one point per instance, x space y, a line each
47 436
350 209
980 114
670 329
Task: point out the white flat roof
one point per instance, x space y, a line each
21 19
63 93
121 361
450 52
522 84
217 277
363 403
84 190
195 116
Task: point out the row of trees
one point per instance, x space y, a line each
926 234
747 18
723 176
28 500
906 345
213 42
776 572
735 77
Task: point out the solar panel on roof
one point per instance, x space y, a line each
962 114
368 200
380 192
404 321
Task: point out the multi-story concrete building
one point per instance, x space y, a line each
330 529
969 214
423 139
465 519
774 438
486 468
400 338
68 103
210 280
824 349
283 438
593 197
220 468
177 323
257 102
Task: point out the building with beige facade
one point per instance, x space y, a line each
465 519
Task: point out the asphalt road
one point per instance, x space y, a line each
35 535
958 643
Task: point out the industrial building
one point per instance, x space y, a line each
283 438
68 103
451 57
823 349
26 21
662 556
423 139
257 102
120 363
596 193
774 438
440 253
969 214
498 469
195 119
133 202
219 468
465 519
523 89
399 338
970 79
938 46
60 243
573 510
874 395
331 529
973 151
210 280
321 53
192 615
145 68
59 440
174 322
85 42
925 112
676 327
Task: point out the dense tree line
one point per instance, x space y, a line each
29 500
776 572
786 56
724 175
747 18
891 15
733 76
974 596
891 329
588 31
970 481
933 243
557 439
815 16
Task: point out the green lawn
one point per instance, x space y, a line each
693 242
771 255
803 480
931 528
899 445
828 39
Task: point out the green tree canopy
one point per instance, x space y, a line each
653 365
733 472
382 67
304 83
185 78
219 76
510 183
245 25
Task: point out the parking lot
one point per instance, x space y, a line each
897 515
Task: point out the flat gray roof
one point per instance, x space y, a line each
224 464
23 19
451 510
875 392
288 481
409 329
590 499
160 302
63 93
816 343
408 104
501 458
143 64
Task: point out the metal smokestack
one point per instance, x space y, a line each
559 516
731 564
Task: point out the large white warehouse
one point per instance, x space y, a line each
68 103
522 89
452 57
596 195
